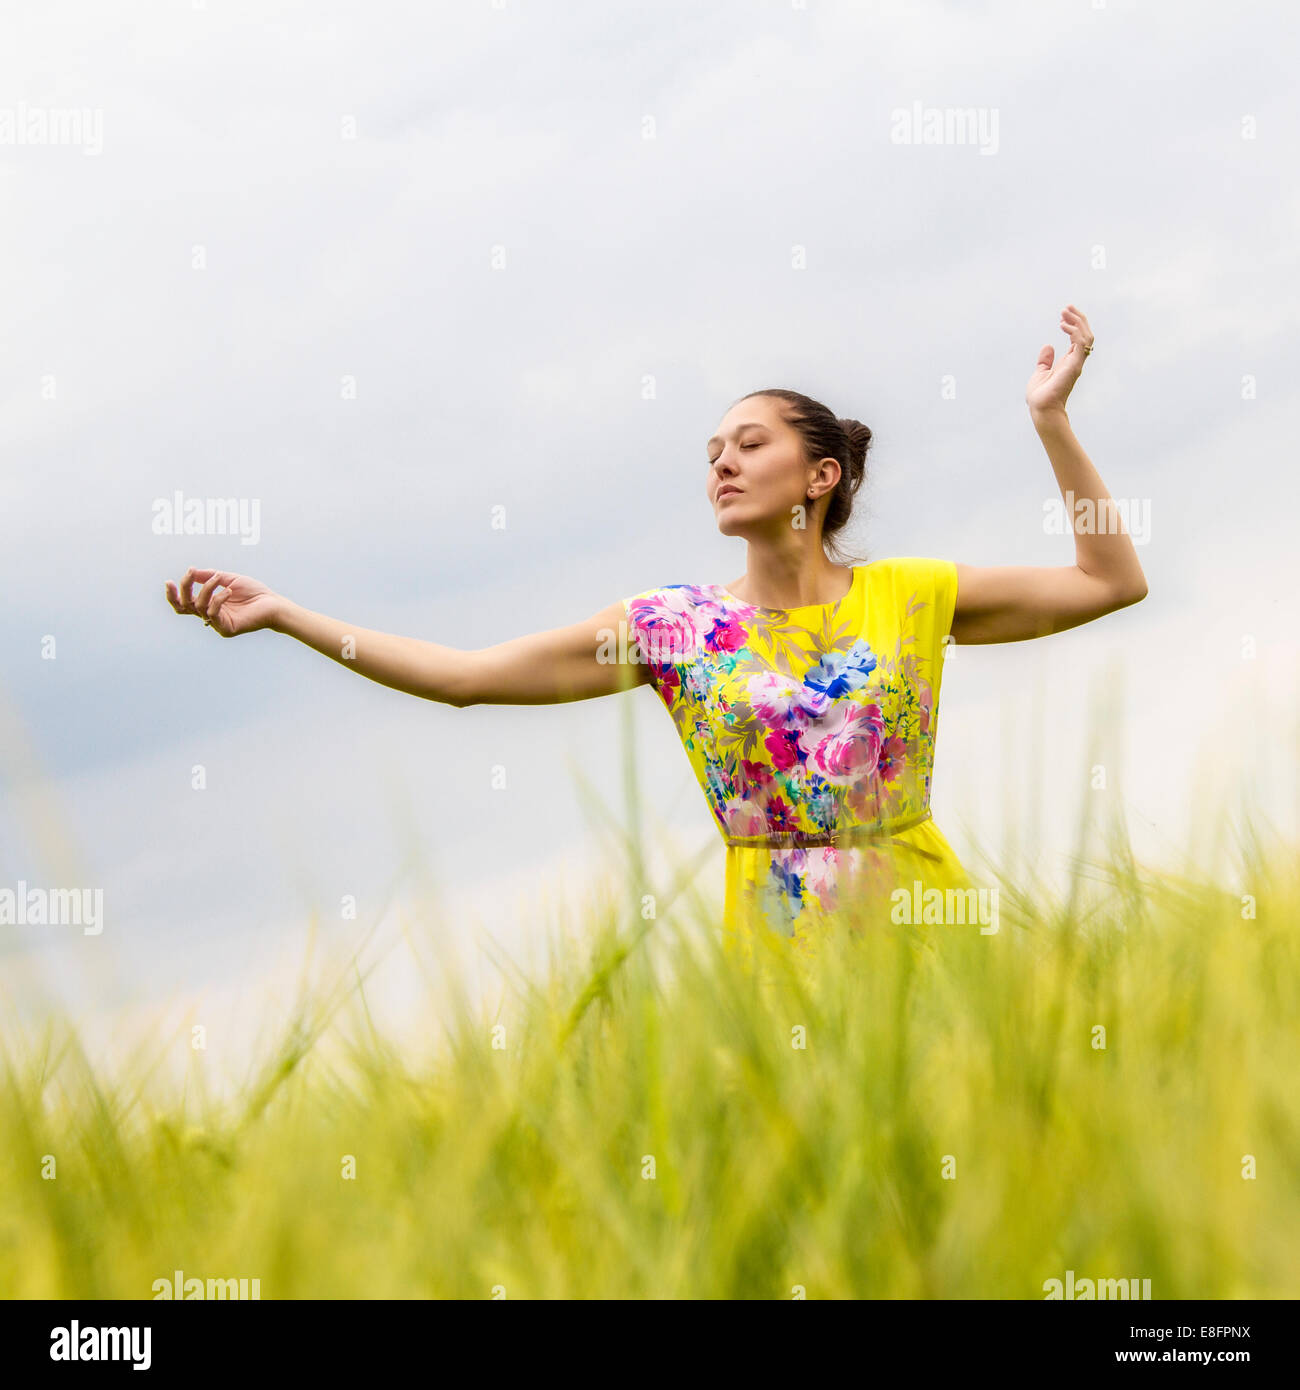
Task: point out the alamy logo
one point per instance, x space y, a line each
179 515
53 907
1100 1289
945 907
1098 516
179 1287
77 1343
53 125
945 125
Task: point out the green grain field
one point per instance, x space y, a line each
919 1112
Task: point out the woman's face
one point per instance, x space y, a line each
757 474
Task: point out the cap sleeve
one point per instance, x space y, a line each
927 589
634 606
649 633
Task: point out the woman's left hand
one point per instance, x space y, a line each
1050 385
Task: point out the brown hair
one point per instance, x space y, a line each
826 435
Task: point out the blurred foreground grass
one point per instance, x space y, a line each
644 1124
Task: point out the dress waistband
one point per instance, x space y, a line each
839 838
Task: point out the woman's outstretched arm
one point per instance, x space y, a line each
1009 603
590 658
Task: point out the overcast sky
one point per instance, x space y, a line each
385 268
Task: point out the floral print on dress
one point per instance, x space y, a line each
795 724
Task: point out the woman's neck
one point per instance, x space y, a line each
791 581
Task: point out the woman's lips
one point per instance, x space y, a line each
728 491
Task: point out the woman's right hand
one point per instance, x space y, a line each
242 605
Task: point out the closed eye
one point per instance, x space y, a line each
743 446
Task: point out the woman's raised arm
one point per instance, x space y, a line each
1010 603
586 659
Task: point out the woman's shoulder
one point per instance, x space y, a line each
911 568
921 589
674 596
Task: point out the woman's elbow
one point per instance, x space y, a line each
1133 593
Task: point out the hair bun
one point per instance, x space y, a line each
859 439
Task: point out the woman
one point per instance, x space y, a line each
806 692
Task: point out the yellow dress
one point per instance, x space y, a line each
811 732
